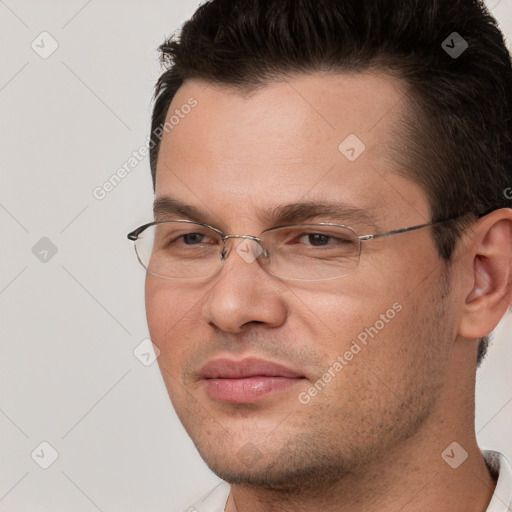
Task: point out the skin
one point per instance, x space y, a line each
373 438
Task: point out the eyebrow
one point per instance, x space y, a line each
168 208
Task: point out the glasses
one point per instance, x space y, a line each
188 250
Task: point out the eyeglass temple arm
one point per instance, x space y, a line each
134 235
412 228
396 231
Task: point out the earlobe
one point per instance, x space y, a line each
491 273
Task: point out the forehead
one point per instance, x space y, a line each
309 137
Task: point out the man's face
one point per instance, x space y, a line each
387 326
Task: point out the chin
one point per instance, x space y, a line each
292 467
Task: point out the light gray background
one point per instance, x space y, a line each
69 326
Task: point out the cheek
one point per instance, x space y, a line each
156 299
379 359
344 309
173 329
169 315
360 325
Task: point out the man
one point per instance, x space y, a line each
332 248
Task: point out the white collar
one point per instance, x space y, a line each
502 498
215 501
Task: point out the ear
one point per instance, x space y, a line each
491 274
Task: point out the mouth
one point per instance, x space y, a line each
248 380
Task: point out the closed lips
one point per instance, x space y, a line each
228 369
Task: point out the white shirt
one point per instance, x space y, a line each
216 499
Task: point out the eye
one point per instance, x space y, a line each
324 240
193 238
316 239
172 237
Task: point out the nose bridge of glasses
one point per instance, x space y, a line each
246 237
226 250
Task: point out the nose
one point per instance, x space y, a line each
244 293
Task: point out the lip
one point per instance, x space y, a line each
247 380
